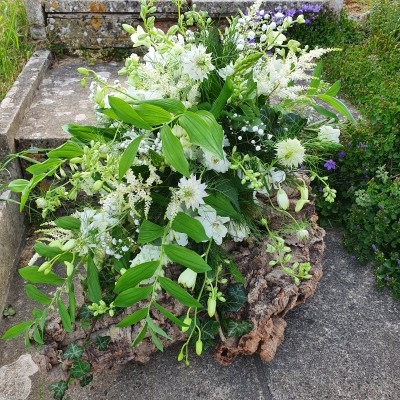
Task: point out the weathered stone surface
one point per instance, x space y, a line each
35 14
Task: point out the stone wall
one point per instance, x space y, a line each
97 24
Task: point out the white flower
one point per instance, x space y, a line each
213 224
191 192
237 231
197 63
282 199
328 134
302 235
290 152
178 237
277 177
213 162
188 278
226 71
140 38
147 253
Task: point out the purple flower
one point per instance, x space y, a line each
374 247
380 206
341 154
330 165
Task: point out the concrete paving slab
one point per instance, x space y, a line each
344 343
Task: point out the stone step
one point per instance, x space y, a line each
97 24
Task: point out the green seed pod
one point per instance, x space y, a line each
180 356
199 347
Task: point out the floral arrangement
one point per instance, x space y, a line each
209 131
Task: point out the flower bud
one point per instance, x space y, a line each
300 204
75 160
180 356
97 186
282 199
211 306
187 321
55 243
45 266
302 235
188 278
70 268
69 245
199 347
83 71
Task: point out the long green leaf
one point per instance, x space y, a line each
188 258
131 296
222 98
68 150
69 223
129 156
192 227
18 185
87 133
178 293
323 111
173 151
126 113
93 282
149 231
31 274
140 336
337 105
133 318
47 251
222 205
35 294
316 79
65 318
156 340
169 315
334 89
152 114
156 328
133 276
17 330
45 167
171 105
201 133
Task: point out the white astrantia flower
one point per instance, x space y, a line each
188 278
328 134
239 232
213 224
191 192
213 162
290 152
197 63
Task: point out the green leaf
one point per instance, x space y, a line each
87 133
131 296
192 227
68 150
187 258
32 274
65 318
45 167
68 223
149 231
26 192
93 282
133 318
129 156
337 105
35 294
156 329
173 151
47 251
127 114
156 341
140 336
209 329
102 342
236 298
221 204
17 330
202 132
316 79
73 351
222 98
152 114
79 368
85 380
18 185
334 89
234 270
133 276
37 336
169 315
58 389
171 105
178 293
323 111
237 328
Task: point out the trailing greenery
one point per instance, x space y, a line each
367 169
15 46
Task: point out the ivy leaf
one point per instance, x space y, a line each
209 329
237 328
102 342
236 298
58 389
234 270
84 312
79 368
85 380
73 352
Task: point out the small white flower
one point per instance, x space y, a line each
192 192
277 176
188 278
282 199
226 71
290 152
212 162
197 63
237 231
213 224
302 235
328 134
